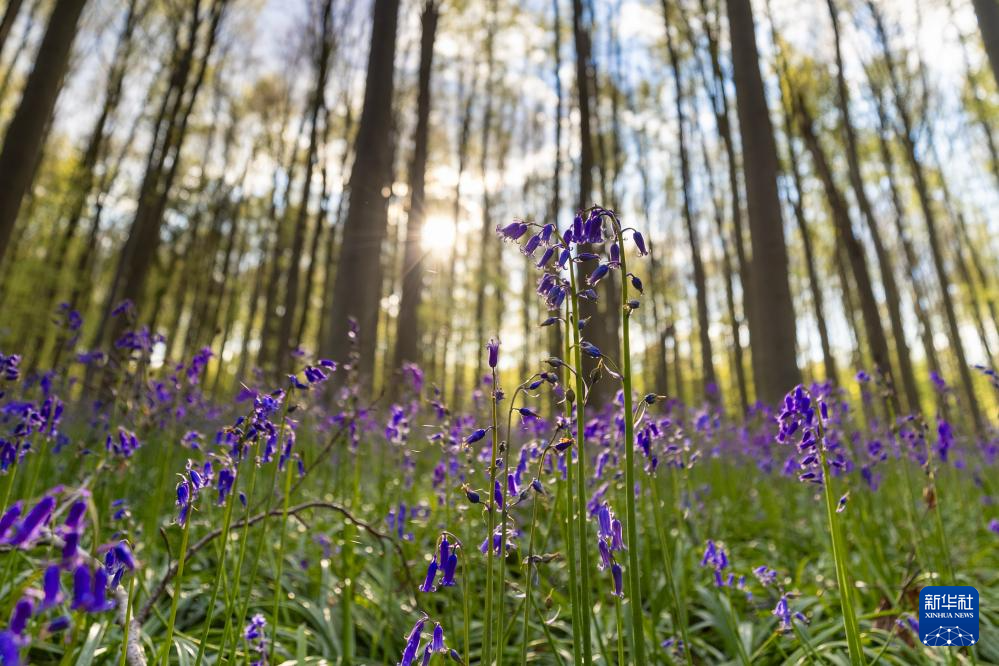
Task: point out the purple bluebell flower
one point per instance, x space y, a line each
428 581
590 349
51 587
476 435
413 642
493 348
9 518
33 523
23 610
639 242
598 274
617 575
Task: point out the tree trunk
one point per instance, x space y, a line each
358 284
987 12
287 342
710 388
7 22
407 340
797 203
772 326
907 136
892 299
876 340
25 135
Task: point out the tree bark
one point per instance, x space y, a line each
772 327
907 136
287 341
987 12
892 298
710 388
407 340
358 284
25 134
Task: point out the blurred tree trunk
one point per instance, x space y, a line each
908 138
7 22
920 299
287 341
700 280
657 282
887 271
877 342
485 237
772 325
270 345
465 104
358 283
797 204
22 47
601 322
407 340
556 331
139 254
718 96
26 132
987 12
84 173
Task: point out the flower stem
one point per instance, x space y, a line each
177 582
210 612
289 464
490 551
839 558
577 652
584 553
631 522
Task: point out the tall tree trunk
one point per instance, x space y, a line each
987 12
907 136
486 234
711 388
772 325
892 299
876 340
7 22
797 203
25 135
358 284
718 94
920 299
407 339
286 339
137 257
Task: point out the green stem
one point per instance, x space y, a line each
177 582
289 465
620 631
490 551
631 522
528 574
584 552
576 613
128 620
839 557
210 613
252 461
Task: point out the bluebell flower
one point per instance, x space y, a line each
618 576
493 347
255 634
639 242
428 581
476 435
51 588
23 610
30 528
589 349
413 642
599 273
765 575
716 558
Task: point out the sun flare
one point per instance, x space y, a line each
438 235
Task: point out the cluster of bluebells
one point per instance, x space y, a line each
610 541
21 421
445 561
572 246
801 422
91 581
437 645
